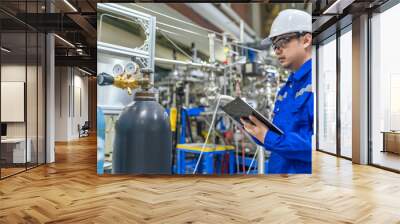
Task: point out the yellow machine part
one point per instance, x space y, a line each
129 83
208 148
172 117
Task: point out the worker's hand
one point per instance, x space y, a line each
258 130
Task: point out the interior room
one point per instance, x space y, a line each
71 71
384 91
22 100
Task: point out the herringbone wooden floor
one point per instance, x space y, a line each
69 191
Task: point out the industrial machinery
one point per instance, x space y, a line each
137 129
182 138
143 139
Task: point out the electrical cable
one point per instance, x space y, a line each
208 134
252 161
243 158
175 19
194 25
182 29
176 46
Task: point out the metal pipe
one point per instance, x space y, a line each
178 28
241 27
211 38
219 19
230 12
177 20
181 29
171 61
260 160
187 91
200 35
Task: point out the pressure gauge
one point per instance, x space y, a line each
131 68
118 69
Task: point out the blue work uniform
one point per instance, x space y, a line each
294 115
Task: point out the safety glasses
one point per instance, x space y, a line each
282 41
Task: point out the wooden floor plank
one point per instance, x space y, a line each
70 191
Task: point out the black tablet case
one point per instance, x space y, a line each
238 108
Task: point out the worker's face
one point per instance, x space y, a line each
291 49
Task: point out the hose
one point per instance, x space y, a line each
252 161
208 135
243 158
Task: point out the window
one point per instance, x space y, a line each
385 89
346 92
22 78
327 96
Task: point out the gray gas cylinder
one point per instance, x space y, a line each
143 139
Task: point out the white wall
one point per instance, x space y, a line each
61 103
33 126
71 94
15 73
80 94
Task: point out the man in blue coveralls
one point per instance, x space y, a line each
294 110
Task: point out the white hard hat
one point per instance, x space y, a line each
290 21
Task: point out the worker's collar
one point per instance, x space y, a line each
303 70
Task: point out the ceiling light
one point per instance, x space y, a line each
338 6
334 5
64 40
70 5
86 72
5 50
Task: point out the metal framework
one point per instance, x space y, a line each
146 52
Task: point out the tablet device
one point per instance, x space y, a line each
238 108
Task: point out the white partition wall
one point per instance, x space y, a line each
22 95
